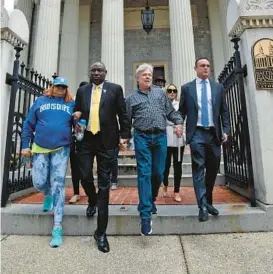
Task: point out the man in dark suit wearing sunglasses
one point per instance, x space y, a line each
203 103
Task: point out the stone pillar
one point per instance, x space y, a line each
227 45
83 43
69 43
253 22
112 44
26 6
216 37
47 37
14 31
182 41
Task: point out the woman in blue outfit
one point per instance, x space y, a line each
50 118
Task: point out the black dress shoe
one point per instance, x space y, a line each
203 214
154 209
102 242
212 210
90 211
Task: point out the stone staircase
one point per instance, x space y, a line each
28 218
127 172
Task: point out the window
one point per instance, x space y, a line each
160 69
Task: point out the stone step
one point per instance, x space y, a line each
131 180
131 159
28 219
131 169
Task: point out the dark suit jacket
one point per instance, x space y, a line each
189 109
112 104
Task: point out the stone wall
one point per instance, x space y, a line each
142 47
153 47
95 28
147 48
202 35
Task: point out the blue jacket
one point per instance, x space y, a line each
51 120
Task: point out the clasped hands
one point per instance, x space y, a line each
178 130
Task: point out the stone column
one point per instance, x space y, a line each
182 41
47 37
218 50
259 101
227 45
112 44
69 43
84 43
14 31
26 6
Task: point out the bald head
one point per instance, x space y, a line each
97 73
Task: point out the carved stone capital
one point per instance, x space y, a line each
254 5
246 14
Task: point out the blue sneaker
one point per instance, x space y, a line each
146 227
57 234
48 203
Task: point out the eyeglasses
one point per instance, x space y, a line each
172 91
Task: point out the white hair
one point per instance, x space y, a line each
144 67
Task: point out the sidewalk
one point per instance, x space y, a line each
200 254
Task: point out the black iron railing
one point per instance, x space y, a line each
26 86
237 152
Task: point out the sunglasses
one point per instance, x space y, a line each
172 91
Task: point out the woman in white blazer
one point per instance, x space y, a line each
175 149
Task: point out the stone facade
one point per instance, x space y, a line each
147 48
202 35
95 36
154 47
139 46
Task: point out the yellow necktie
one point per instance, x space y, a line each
94 111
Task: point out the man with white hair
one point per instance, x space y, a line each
149 108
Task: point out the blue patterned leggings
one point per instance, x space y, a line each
48 175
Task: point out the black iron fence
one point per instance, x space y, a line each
26 86
237 153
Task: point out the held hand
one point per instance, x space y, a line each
77 128
123 144
224 138
179 130
26 152
77 115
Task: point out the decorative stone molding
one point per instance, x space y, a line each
11 37
14 27
246 14
248 23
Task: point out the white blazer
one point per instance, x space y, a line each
172 139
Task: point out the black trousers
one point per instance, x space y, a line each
172 152
75 171
90 147
114 168
206 156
